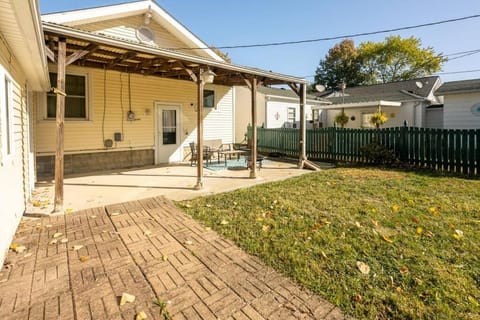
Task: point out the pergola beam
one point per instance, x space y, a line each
81 54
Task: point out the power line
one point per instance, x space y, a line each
353 35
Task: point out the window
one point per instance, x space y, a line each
169 126
75 101
366 120
291 115
316 115
208 98
6 122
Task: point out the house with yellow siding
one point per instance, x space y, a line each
23 71
117 119
125 85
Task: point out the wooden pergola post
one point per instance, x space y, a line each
302 146
60 119
253 155
200 87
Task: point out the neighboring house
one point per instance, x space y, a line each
131 94
23 70
461 100
277 108
412 101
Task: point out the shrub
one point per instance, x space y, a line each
377 153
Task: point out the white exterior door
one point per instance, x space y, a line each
168 134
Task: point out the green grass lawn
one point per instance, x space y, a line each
418 234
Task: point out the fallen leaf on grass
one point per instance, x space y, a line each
57 235
415 220
324 254
395 208
473 301
387 239
363 267
77 247
419 230
358 224
126 297
141 316
459 232
224 222
404 270
265 228
83 258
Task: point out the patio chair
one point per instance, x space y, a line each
207 154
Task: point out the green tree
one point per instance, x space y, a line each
342 63
397 59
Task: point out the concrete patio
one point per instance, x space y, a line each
175 182
78 265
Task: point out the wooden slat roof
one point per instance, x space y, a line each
119 54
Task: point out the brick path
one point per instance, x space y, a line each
151 250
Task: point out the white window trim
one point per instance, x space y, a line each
88 100
6 156
368 125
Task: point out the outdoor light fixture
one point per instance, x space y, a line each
208 76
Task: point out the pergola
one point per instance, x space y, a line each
69 46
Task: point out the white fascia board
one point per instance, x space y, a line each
30 52
277 97
92 15
379 103
159 15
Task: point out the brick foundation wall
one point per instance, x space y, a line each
96 161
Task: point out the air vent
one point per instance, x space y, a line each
145 35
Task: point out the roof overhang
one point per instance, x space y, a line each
312 102
21 27
117 54
379 103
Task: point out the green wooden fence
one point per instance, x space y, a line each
456 151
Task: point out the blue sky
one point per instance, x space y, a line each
226 22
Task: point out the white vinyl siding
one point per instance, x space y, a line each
457 111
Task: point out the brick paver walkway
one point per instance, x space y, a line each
151 250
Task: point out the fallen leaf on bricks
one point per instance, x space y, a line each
188 242
68 210
113 214
363 267
93 217
28 255
54 241
126 297
164 258
57 235
141 316
83 258
147 232
64 240
77 247
48 226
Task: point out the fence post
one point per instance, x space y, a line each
403 143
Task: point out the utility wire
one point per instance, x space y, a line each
436 73
353 35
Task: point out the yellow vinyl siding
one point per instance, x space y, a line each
86 135
125 28
14 169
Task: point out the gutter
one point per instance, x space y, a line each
381 103
100 39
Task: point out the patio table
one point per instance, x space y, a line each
226 153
